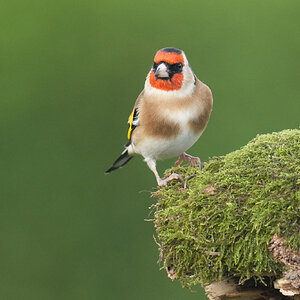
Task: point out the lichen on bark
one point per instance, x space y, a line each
220 226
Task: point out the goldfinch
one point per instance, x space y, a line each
169 115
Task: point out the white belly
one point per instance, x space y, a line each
159 149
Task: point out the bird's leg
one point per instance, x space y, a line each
192 160
161 182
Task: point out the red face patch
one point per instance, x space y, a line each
166 85
169 57
171 84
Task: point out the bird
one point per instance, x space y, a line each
169 115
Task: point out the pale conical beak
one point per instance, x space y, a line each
162 71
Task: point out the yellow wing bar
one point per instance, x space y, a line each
130 120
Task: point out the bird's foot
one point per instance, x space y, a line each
192 160
179 161
164 182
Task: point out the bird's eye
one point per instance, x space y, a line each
154 66
176 68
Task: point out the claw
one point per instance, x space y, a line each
192 160
173 176
161 182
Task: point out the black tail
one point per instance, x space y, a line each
121 161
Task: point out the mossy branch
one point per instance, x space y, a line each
220 225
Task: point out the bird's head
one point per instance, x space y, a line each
170 73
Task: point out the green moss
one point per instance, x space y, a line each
222 223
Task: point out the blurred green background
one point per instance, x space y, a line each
70 73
